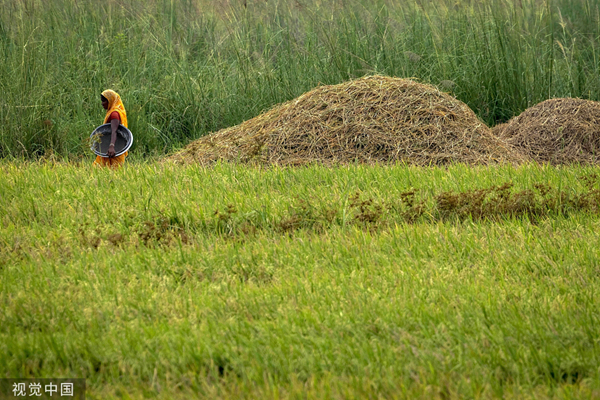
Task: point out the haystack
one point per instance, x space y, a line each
556 131
372 119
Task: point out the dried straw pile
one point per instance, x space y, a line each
556 131
372 119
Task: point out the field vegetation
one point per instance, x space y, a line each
185 282
189 67
319 282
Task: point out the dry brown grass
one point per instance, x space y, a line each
556 131
372 119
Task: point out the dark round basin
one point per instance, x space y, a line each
100 140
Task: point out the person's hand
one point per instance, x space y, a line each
111 151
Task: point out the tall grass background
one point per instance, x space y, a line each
188 67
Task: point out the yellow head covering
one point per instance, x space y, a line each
115 104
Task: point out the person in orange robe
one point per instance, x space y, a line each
115 115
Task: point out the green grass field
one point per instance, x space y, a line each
167 282
349 282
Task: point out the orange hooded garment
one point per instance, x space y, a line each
114 104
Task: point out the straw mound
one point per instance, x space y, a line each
372 119
556 131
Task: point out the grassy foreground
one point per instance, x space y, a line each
178 283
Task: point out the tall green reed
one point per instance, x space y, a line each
186 68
